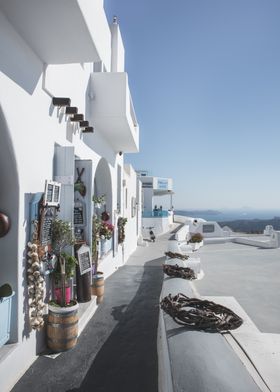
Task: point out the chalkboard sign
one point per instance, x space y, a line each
84 258
78 216
47 216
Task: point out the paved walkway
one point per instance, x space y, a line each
117 351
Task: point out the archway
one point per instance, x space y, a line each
9 205
103 185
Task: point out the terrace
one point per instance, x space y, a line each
131 345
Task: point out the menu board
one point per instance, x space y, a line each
84 258
47 216
78 216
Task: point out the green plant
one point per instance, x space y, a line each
197 237
99 199
70 267
106 230
63 237
121 231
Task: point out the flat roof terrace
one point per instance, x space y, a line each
248 273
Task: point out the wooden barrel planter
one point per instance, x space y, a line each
62 327
97 287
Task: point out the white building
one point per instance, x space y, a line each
153 215
61 49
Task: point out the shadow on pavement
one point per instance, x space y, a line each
127 361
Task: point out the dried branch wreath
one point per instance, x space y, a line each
175 255
206 315
179 272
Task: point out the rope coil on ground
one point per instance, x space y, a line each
175 255
206 315
179 272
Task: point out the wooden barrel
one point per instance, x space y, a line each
62 328
97 287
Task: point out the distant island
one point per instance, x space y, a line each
252 226
198 212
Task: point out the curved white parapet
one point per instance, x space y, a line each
193 360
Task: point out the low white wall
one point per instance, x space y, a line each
190 359
160 226
183 233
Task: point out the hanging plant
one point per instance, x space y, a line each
121 231
79 185
105 216
99 200
96 224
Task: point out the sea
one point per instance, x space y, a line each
229 215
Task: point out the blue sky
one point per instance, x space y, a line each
204 77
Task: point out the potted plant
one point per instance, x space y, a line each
70 266
6 294
121 231
99 201
96 223
62 328
106 230
196 241
105 233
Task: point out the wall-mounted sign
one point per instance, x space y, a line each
84 258
79 213
162 183
52 193
47 217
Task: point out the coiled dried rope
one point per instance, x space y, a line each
175 255
206 315
179 272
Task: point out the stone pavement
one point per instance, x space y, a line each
117 351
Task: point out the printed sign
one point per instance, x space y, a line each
162 183
84 258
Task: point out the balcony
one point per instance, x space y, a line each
64 31
113 112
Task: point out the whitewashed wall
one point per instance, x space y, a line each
129 192
30 128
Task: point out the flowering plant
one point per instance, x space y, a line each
106 230
99 200
121 232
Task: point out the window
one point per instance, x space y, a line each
208 228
